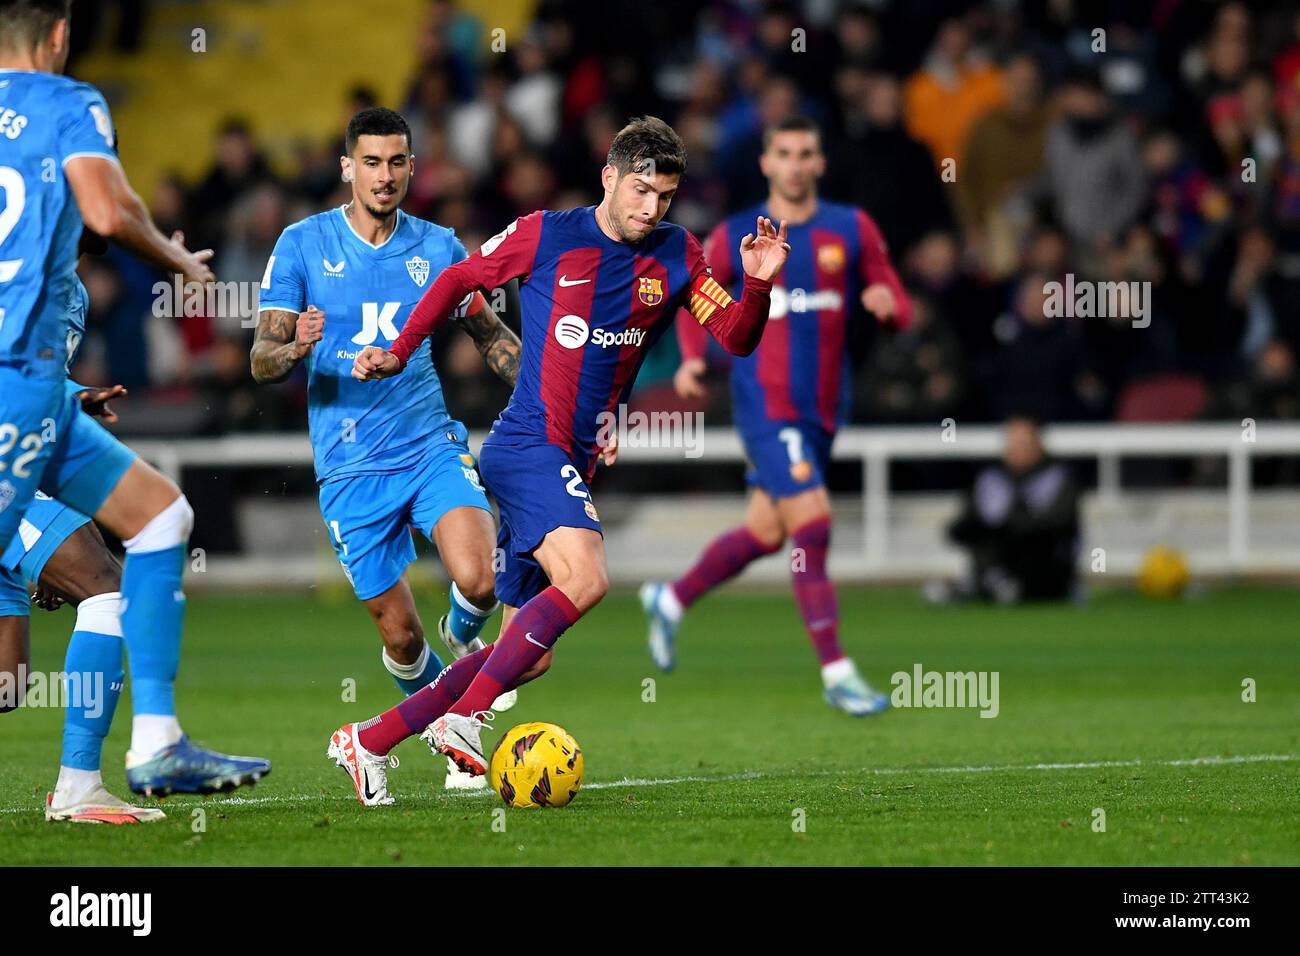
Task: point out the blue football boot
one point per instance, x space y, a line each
855 696
663 629
185 768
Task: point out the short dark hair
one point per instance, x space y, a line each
376 121
234 126
647 142
25 23
791 124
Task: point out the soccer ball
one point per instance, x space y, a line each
1164 573
536 765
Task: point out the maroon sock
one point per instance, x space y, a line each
813 590
381 734
531 633
725 557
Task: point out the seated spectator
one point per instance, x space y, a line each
953 90
914 375
1003 159
1038 363
1020 526
1090 152
876 165
238 167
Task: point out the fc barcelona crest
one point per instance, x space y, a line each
650 290
419 270
831 258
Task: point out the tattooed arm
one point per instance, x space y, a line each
499 346
284 339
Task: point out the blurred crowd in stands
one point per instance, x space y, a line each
1000 146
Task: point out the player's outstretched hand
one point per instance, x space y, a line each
309 329
763 254
372 362
688 381
94 401
196 263
878 299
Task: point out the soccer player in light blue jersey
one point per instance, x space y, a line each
61 553
59 172
389 459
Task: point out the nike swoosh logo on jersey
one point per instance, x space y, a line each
565 281
529 638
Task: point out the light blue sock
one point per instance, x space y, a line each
411 677
465 620
94 684
153 614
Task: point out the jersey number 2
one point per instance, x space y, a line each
15 190
574 484
31 446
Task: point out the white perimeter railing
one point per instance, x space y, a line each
876 448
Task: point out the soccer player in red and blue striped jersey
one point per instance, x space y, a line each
600 285
788 399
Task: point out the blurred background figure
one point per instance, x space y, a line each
1172 158
1020 527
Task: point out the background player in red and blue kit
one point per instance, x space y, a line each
599 286
788 399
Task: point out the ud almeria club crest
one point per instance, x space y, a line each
419 270
650 290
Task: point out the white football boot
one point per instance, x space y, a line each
96 806
460 739
369 772
458 650
457 779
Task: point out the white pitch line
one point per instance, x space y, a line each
986 768
1216 761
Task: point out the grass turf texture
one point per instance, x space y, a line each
1124 681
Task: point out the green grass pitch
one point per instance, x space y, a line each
737 747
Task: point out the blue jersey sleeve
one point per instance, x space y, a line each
85 126
284 284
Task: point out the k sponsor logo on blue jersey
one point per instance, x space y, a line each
366 293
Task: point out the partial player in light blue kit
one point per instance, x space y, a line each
59 172
389 460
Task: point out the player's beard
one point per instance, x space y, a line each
380 213
399 196
796 194
633 237
625 230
